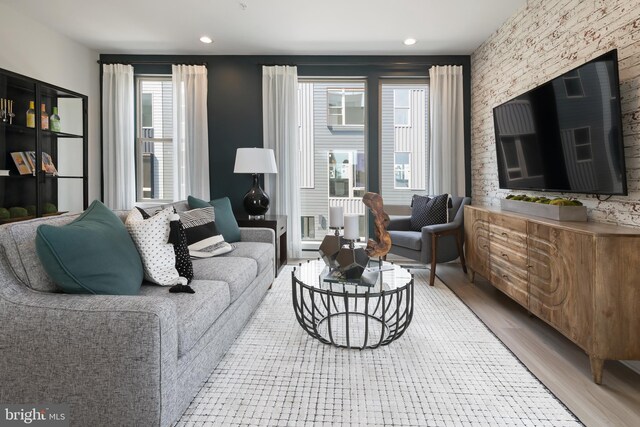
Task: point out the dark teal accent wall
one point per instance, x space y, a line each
235 102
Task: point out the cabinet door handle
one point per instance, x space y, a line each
504 276
504 234
505 256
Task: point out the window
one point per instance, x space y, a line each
345 107
306 134
573 84
333 166
582 144
404 139
401 107
346 174
521 156
308 228
154 148
511 158
402 170
146 103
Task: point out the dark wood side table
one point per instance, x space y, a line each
278 223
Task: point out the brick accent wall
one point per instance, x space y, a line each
543 40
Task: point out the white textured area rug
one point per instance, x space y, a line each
447 370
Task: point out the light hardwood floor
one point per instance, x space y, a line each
557 362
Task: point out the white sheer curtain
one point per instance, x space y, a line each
280 129
190 132
446 150
118 136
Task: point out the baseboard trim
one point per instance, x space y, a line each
634 365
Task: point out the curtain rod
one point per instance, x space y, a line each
318 64
302 64
99 61
353 64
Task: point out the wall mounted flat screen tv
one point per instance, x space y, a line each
566 134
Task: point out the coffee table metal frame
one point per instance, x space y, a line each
315 304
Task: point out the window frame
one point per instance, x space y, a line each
397 107
523 168
141 109
398 198
585 144
141 138
343 108
308 224
352 171
407 172
572 77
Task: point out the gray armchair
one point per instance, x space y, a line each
434 243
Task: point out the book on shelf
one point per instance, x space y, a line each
4 172
22 162
31 157
26 162
47 164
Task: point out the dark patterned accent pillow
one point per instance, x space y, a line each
203 237
429 211
178 238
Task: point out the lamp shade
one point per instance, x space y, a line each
255 160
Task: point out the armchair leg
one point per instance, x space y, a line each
434 257
459 242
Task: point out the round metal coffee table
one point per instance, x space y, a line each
365 313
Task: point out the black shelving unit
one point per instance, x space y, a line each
67 191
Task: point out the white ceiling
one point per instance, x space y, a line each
270 27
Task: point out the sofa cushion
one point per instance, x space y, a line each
18 241
178 238
225 220
406 239
151 237
196 312
237 272
93 254
202 234
262 253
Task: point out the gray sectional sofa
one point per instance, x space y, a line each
121 360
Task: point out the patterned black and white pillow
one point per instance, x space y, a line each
202 235
151 239
178 239
429 211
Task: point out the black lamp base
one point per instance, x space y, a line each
256 201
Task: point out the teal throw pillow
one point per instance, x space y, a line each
225 220
195 203
93 254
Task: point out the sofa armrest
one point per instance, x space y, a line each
106 355
401 223
257 234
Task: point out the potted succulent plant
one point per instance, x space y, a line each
558 208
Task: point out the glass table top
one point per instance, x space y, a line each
377 277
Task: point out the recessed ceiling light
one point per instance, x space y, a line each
206 39
410 41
